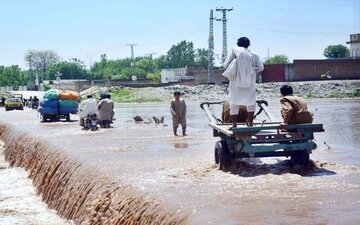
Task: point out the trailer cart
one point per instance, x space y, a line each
264 139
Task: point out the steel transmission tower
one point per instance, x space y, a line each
132 53
224 53
211 48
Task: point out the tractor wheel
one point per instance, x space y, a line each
300 158
222 156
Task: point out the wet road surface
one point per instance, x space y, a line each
181 171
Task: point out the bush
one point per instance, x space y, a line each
156 76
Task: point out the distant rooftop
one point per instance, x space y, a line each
354 38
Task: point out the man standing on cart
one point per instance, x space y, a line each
242 89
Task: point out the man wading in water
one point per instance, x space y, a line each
178 111
242 88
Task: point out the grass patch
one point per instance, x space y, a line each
355 93
310 95
125 95
352 94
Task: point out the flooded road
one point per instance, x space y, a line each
180 170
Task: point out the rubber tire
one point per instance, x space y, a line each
222 156
43 118
67 117
300 158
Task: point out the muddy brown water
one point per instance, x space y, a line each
173 179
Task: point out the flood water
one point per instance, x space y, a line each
181 171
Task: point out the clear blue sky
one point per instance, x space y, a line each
85 29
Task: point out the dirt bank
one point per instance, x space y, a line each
267 91
79 192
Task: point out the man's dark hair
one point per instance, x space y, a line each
243 42
177 93
286 90
89 96
108 96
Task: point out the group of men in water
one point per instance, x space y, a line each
104 109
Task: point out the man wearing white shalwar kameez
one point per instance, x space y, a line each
242 88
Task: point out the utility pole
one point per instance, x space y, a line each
150 55
132 54
224 53
211 48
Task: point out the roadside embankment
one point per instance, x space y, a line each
266 91
79 192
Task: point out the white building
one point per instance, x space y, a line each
175 75
354 45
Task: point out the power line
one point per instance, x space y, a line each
287 31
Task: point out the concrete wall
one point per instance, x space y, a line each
339 69
201 77
10 88
174 75
355 50
274 73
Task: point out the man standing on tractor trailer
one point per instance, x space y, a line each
242 89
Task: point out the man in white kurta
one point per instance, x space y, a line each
242 88
87 107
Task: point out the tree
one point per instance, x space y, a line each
72 69
162 62
202 57
277 59
336 51
147 64
99 70
12 76
41 60
181 55
126 73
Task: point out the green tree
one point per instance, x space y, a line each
162 62
147 64
97 70
277 59
72 69
202 57
126 73
336 51
40 61
12 76
181 55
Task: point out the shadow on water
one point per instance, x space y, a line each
249 169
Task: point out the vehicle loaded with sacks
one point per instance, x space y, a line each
58 105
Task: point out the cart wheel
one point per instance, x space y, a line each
222 156
67 117
300 158
43 118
